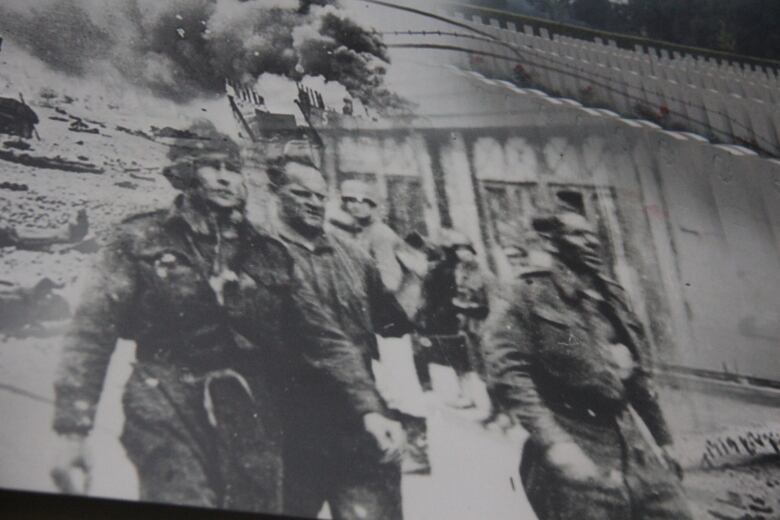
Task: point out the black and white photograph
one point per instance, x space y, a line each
393 259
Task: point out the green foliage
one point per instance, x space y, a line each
750 27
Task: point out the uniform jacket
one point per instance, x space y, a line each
546 354
383 244
151 285
346 281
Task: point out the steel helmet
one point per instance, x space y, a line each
357 189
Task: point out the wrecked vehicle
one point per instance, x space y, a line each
17 118
23 309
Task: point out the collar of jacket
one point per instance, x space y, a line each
569 284
183 210
321 243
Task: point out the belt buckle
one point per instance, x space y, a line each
187 377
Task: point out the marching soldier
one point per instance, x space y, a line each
571 363
359 201
335 452
208 301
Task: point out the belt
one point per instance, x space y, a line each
216 375
186 376
591 414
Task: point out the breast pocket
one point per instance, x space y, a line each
559 342
553 327
175 289
271 298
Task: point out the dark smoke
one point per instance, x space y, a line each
181 49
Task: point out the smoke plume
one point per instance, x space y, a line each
181 49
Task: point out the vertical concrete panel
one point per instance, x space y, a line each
556 73
756 265
654 95
658 301
460 190
330 168
673 96
719 122
633 91
522 160
703 255
422 156
741 129
680 346
562 158
359 154
759 114
765 182
697 114
398 156
489 160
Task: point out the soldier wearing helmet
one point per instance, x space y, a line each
570 362
359 200
335 452
213 306
455 295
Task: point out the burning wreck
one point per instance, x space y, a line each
17 118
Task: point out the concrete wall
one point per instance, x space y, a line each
694 228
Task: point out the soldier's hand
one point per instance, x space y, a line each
73 465
570 460
389 435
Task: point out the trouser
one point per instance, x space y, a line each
633 482
342 469
447 350
217 448
422 363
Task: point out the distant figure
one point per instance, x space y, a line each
347 109
216 308
571 363
360 202
17 118
455 301
342 451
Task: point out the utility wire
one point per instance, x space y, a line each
606 83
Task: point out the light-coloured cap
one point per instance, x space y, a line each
451 238
358 189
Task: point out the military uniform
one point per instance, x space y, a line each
568 359
200 423
329 456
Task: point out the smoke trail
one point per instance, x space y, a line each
181 49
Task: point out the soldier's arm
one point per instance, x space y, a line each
384 253
643 395
510 361
96 326
640 388
326 349
389 317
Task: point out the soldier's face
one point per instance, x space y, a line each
358 208
579 242
465 253
219 181
303 199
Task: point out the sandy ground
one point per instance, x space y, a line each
474 471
